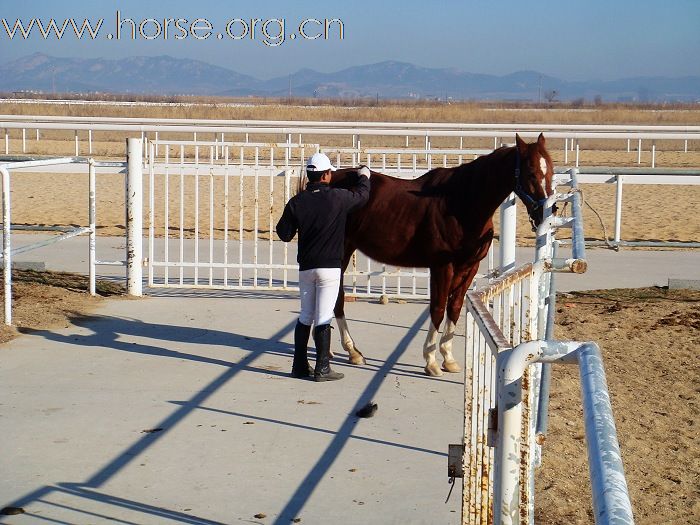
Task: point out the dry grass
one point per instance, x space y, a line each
108 144
472 112
43 300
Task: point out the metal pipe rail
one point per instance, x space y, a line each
8 252
347 130
611 502
502 447
352 130
33 119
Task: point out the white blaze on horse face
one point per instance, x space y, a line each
543 167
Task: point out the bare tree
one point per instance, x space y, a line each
550 95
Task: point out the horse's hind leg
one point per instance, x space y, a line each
440 279
355 357
460 283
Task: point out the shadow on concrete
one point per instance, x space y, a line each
105 334
306 488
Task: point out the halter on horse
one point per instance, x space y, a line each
442 220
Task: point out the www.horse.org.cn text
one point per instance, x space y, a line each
271 32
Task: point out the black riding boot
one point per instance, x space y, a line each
323 372
300 367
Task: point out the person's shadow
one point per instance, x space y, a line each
107 332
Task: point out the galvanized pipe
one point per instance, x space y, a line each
6 245
578 238
134 217
619 179
611 502
546 380
92 226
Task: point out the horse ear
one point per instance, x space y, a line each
522 146
540 140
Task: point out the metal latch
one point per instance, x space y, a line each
455 454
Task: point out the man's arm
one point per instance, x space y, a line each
287 226
359 195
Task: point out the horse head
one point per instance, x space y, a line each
533 176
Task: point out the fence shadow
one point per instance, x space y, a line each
106 332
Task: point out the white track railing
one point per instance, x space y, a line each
352 131
507 342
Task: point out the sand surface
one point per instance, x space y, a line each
650 212
650 339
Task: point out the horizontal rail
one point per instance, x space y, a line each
52 240
347 130
24 161
231 144
38 119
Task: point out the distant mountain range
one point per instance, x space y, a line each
167 75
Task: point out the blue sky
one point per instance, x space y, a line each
574 40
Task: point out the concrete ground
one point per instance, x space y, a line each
178 408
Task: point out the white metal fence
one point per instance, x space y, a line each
212 217
8 252
636 138
508 339
213 207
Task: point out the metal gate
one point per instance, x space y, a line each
213 207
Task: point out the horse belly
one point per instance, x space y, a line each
386 245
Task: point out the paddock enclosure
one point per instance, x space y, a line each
207 198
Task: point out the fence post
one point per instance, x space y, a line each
512 445
134 217
506 248
91 220
6 246
618 207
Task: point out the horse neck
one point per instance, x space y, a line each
494 177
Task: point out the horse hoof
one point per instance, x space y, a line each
356 358
433 370
451 366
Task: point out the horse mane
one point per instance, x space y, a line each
437 181
441 181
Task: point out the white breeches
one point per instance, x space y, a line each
318 290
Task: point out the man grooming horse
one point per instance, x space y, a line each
319 215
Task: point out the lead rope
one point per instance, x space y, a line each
600 219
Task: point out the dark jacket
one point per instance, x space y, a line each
318 213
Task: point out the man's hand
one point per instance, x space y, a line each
364 170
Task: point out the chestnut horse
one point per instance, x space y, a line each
443 221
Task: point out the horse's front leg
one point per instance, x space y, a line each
355 357
458 288
440 279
